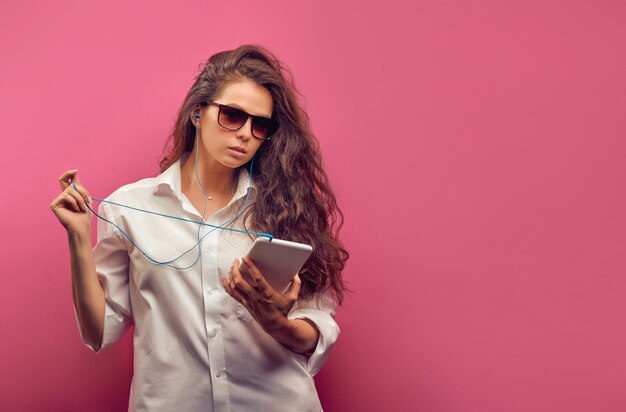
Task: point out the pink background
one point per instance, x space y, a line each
477 149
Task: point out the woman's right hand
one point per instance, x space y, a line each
70 206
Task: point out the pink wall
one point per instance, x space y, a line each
477 149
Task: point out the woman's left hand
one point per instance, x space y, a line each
269 307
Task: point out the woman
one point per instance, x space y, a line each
241 152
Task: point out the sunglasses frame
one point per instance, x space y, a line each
273 123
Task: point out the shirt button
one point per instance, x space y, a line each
218 374
208 249
210 291
214 334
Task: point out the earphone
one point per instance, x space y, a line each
200 223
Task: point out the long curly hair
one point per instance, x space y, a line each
297 202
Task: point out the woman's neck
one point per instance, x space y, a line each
215 178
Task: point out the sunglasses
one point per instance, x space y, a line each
232 118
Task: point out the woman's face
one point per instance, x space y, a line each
233 148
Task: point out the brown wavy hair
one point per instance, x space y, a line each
297 202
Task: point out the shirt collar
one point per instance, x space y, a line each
168 183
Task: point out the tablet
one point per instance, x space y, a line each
278 260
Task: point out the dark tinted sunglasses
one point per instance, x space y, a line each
232 118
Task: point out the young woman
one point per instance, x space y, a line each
241 156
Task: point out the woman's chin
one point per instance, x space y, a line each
233 163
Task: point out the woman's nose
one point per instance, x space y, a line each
245 131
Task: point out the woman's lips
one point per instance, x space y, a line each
237 151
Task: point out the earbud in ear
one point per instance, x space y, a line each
197 117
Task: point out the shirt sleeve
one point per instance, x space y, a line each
111 260
320 311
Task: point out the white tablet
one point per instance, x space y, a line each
278 260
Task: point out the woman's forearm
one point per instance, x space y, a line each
87 292
299 335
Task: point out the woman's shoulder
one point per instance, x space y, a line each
136 195
146 187
135 190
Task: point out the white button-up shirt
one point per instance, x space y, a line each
195 347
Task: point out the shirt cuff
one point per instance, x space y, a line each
329 332
114 327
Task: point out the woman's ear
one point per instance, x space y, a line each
195 116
